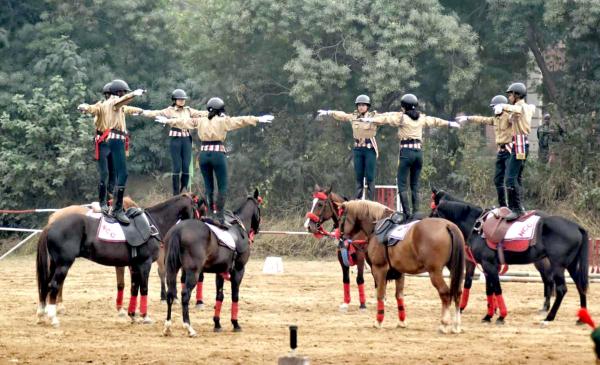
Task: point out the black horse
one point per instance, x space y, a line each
543 266
194 248
74 235
562 241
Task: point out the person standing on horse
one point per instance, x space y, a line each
410 123
103 118
180 138
365 146
504 135
212 131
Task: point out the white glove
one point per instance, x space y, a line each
161 119
462 119
453 125
138 92
367 119
322 113
498 108
83 107
266 118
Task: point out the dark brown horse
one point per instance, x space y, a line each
74 235
194 248
325 206
428 246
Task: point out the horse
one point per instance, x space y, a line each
562 241
325 206
194 248
542 266
74 235
120 271
429 245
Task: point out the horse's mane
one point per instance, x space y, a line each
163 204
366 209
242 204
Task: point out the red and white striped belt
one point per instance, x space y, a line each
413 145
176 132
114 134
213 148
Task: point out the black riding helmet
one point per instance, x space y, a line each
118 85
498 99
178 94
409 102
363 99
106 88
517 88
215 106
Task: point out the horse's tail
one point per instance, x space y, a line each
457 263
583 262
172 259
42 265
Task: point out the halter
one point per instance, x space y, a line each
318 220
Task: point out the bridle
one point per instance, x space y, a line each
319 219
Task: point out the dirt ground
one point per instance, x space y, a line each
307 294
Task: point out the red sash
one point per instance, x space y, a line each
99 140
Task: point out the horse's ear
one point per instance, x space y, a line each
317 187
256 194
328 191
433 188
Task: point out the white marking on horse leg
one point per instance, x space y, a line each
122 312
167 328
52 315
457 322
344 307
191 331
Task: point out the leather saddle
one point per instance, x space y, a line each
386 225
495 225
138 231
236 229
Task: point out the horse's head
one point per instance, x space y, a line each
190 206
249 213
325 205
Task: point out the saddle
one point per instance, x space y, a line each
393 229
135 234
237 231
495 225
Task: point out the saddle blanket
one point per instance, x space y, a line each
93 214
224 237
398 233
522 231
110 232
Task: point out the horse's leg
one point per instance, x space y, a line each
497 300
437 279
60 306
469 272
379 273
186 293
120 271
135 287
60 273
360 280
171 282
199 288
162 273
145 269
400 301
346 281
573 272
219 282
236 281
561 290
543 267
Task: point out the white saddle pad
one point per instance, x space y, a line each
223 236
110 232
399 232
93 214
520 231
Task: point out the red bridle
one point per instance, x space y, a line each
316 219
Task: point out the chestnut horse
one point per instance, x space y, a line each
428 246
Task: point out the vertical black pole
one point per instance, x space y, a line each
293 337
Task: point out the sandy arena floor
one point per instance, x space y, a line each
307 294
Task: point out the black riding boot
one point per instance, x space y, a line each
118 212
501 196
414 194
359 191
103 198
514 203
176 189
185 179
371 191
221 211
404 204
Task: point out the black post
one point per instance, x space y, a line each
293 337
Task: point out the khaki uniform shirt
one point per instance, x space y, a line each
520 116
502 127
177 112
104 114
214 129
407 127
360 129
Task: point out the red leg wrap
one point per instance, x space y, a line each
144 305
119 299
490 305
132 305
380 310
501 305
218 305
346 293
401 309
464 299
199 291
234 311
361 293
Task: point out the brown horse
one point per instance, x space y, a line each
194 248
81 209
74 235
325 207
428 246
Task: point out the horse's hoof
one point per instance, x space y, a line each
199 306
544 324
147 320
579 323
443 329
55 322
461 310
456 330
486 319
167 328
343 307
401 324
191 331
378 325
122 312
217 329
163 301
500 321
237 329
